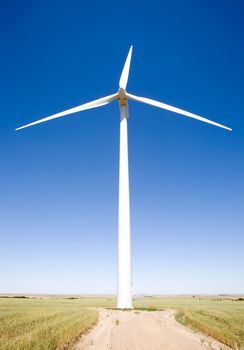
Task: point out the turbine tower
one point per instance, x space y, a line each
124 288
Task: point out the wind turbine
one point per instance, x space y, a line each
124 288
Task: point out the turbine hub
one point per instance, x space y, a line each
122 96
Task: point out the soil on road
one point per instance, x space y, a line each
143 330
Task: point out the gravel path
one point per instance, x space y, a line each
133 330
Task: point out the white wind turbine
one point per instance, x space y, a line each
124 291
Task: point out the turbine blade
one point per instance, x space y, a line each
126 70
93 104
174 109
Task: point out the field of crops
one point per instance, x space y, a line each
52 323
43 324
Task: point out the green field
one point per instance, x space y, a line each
51 323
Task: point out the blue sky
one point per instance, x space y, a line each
59 180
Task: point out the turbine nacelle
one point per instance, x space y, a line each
122 96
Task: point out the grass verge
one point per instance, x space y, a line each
223 327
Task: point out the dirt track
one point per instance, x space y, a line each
133 330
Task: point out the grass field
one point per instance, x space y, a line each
51 323
43 324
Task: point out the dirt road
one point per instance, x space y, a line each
133 330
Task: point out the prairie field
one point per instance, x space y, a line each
43 323
30 324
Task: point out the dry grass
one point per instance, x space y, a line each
31 324
226 327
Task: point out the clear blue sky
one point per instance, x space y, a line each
59 180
